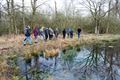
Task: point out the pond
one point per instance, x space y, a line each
99 61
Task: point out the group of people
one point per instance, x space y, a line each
46 33
69 32
42 33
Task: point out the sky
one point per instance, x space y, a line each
51 3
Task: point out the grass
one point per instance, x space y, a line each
13 47
51 46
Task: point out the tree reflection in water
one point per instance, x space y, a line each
102 63
87 62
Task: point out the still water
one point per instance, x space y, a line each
99 61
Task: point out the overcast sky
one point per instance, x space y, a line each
51 3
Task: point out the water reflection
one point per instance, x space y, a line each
87 62
68 56
99 63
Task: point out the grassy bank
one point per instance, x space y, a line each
14 48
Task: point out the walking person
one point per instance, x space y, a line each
51 33
68 32
79 32
41 33
64 33
27 33
46 32
56 32
36 33
71 33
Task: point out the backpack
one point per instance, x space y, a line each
27 32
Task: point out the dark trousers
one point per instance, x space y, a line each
46 36
64 35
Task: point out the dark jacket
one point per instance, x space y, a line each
27 32
79 30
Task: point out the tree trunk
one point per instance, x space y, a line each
116 8
108 23
9 16
96 29
107 29
12 15
56 17
0 13
33 3
96 26
23 13
96 21
55 9
14 27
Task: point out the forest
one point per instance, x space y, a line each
100 16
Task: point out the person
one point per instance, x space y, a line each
27 33
68 32
71 33
78 32
36 33
51 33
56 32
46 32
41 33
64 34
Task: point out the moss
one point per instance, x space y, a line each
78 48
51 57
70 47
28 60
13 57
41 53
64 51
35 55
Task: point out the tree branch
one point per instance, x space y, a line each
41 4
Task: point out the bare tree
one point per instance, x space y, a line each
55 9
14 27
109 14
116 8
0 11
34 8
69 11
69 7
23 12
9 16
12 14
96 9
